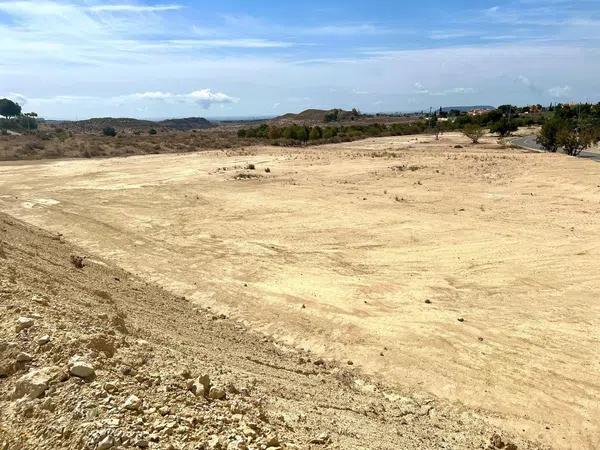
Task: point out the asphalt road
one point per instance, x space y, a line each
529 143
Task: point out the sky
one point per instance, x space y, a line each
69 59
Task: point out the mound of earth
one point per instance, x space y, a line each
92 357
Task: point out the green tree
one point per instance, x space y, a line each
109 131
315 133
302 133
473 132
9 109
504 127
548 137
274 132
575 140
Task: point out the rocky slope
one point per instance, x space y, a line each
92 357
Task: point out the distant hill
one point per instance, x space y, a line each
189 123
96 125
467 108
319 115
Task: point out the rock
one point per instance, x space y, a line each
460 319
81 368
272 441
213 442
319 362
40 300
24 357
106 443
43 340
322 439
111 387
23 323
200 386
238 444
33 384
142 443
216 393
133 403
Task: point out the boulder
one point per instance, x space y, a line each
34 383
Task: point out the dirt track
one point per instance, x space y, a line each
362 235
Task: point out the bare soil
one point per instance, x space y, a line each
469 274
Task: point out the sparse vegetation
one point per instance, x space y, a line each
574 128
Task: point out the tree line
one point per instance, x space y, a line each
300 134
573 128
14 118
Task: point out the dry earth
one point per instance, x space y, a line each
471 273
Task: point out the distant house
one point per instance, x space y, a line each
478 112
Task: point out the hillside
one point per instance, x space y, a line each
125 124
318 116
468 108
96 358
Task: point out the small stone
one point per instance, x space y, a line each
43 340
350 363
81 368
319 362
272 441
106 443
142 443
23 323
216 393
428 301
133 403
110 387
322 439
24 357
460 319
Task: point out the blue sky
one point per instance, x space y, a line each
78 59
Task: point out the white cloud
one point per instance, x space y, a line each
560 91
129 8
204 97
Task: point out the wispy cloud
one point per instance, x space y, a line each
560 91
129 8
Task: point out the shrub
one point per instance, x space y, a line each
109 131
473 132
503 127
152 131
574 140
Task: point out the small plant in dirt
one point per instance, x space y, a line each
473 132
78 261
267 170
251 167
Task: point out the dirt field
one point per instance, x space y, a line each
470 273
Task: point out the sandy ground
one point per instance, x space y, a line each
470 273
